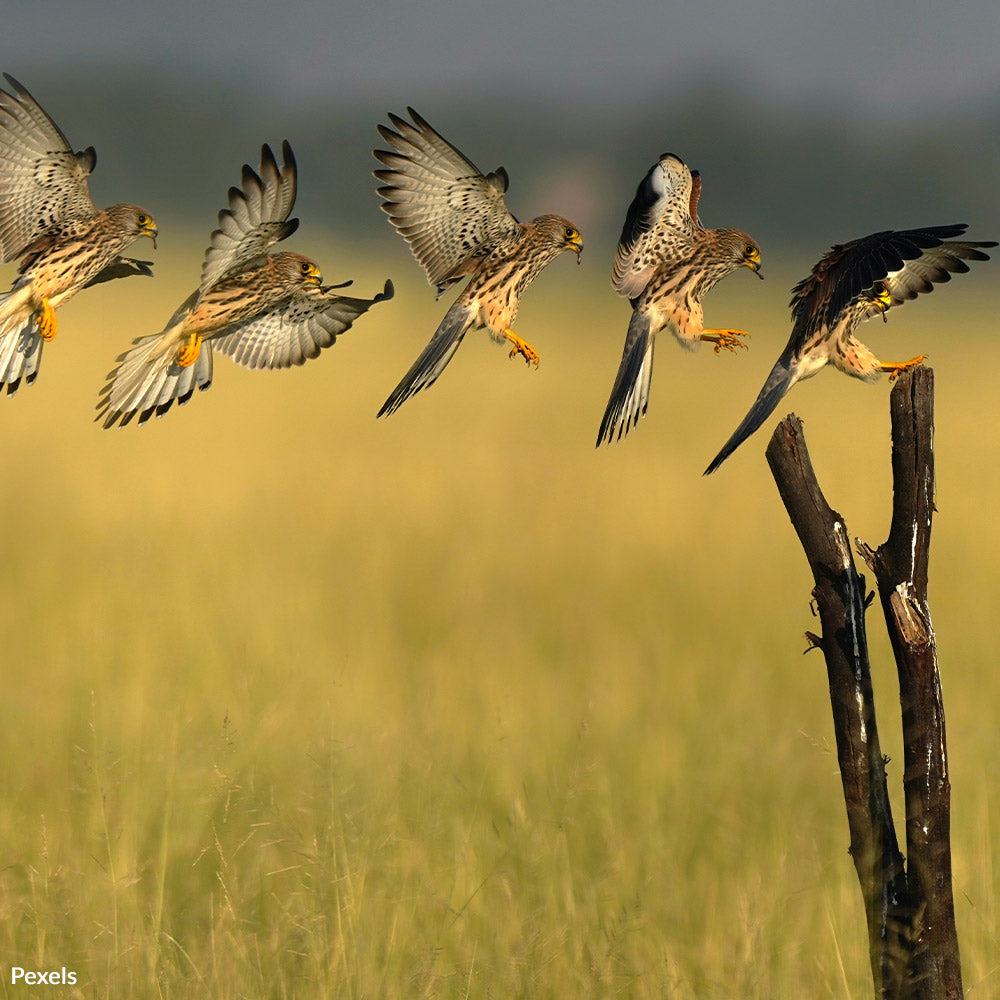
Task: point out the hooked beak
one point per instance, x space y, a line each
575 243
315 279
882 301
151 231
754 266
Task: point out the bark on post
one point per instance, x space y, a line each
900 566
840 599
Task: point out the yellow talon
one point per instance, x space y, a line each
727 340
46 321
188 354
896 368
521 347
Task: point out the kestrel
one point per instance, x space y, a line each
263 310
47 219
457 224
665 264
851 283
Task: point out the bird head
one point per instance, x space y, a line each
736 249
558 233
298 270
134 221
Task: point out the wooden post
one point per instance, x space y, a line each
912 945
839 593
900 566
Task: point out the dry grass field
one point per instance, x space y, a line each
301 704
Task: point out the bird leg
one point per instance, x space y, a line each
896 368
724 339
188 354
521 347
45 320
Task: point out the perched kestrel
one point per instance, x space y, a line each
852 283
263 310
456 222
665 264
47 218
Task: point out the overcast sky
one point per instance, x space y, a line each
897 58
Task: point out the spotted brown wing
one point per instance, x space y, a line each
297 330
447 210
658 226
256 219
42 181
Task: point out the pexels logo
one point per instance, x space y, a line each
29 977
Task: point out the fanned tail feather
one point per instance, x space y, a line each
630 393
147 382
20 343
433 359
778 383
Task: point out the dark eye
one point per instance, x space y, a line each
142 219
305 268
750 250
570 233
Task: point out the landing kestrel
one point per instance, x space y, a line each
457 225
852 283
263 310
665 264
47 219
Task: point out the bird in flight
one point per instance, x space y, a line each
48 220
851 283
263 310
458 226
665 264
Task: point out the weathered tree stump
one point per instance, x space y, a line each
913 947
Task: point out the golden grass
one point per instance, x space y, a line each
298 703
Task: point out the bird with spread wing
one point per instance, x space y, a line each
665 264
262 310
49 221
458 226
851 283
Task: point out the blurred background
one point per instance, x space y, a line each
811 123
301 703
